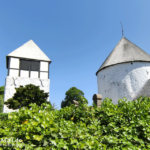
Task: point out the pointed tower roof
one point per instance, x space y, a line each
29 50
125 51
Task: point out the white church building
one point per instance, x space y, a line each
27 64
124 73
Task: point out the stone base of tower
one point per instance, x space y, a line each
14 82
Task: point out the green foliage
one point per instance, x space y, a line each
27 95
2 90
1 98
94 105
112 127
73 94
3 116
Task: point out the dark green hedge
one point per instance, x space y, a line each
3 116
1 98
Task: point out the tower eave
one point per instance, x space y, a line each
100 69
24 58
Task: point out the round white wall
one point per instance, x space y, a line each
123 80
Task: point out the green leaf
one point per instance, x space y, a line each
27 137
35 123
38 128
53 142
45 143
38 137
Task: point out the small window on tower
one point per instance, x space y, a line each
24 64
35 65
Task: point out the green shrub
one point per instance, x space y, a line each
3 116
120 127
27 95
1 98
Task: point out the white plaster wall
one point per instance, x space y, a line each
14 73
14 63
14 82
24 73
43 66
43 75
123 80
34 74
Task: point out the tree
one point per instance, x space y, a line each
1 98
73 94
27 95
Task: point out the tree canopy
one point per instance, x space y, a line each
73 94
27 95
1 98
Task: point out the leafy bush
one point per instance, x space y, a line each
1 98
27 95
3 116
120 127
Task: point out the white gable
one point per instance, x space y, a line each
29 50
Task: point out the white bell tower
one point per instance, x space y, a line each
26 65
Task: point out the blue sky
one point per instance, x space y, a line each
77 35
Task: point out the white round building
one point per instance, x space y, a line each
125 73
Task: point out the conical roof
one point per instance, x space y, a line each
125 51
29 50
